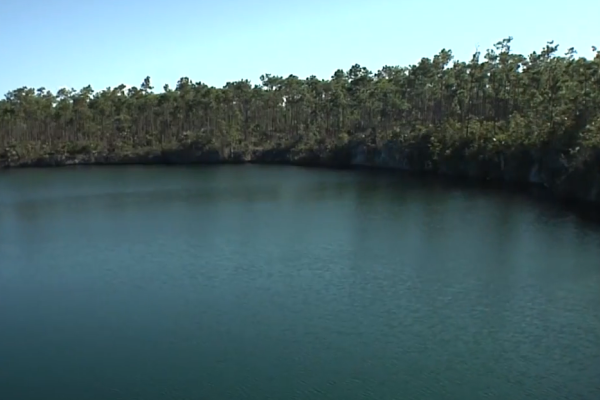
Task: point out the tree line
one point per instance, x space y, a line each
497 101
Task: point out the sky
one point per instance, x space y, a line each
74 43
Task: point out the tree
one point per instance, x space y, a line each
501 102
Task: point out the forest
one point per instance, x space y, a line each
496 103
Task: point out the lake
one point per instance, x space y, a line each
258 282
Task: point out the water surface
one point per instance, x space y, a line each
247 282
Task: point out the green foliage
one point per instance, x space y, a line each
501 102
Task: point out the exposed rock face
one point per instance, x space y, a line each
534 168
548 168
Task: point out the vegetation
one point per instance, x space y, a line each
498 103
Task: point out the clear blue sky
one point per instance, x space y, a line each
57 43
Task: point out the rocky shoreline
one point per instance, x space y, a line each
548 169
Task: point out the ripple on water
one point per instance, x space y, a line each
277 283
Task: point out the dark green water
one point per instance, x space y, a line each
249 282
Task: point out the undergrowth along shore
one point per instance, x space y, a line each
499 116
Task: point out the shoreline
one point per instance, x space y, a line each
577 190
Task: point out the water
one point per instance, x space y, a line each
249 282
